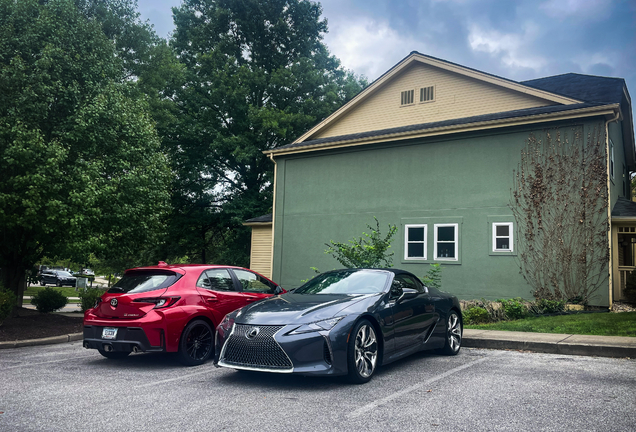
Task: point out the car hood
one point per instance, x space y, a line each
293 308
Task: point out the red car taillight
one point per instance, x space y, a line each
159 302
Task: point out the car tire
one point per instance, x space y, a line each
454 333
114 355
58 284
42 283
196 344
363 352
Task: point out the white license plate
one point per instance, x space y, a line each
109 333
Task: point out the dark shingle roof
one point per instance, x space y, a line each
424 126
624 208
261 219
586 88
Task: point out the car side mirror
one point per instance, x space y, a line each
407 293
278 290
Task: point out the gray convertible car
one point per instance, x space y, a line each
343 322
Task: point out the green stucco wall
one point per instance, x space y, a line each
322 196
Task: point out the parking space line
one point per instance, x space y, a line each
49 361
370 406
179 378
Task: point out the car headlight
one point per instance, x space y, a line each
227 323
327 325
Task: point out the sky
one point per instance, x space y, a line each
514 39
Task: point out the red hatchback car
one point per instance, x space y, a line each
171 308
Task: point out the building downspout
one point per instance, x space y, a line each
609 207
271 264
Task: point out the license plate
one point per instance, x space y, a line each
109 333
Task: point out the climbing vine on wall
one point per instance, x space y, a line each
559 201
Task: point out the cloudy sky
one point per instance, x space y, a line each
515 39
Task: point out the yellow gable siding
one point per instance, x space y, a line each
261 253
456 96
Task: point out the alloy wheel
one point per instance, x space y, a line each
198 342
366 351
454 332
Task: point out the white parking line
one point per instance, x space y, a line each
370 406
179 378
50 361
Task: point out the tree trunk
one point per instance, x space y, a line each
13 278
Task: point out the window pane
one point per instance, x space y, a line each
252 283
416 234
416 250
503 243
216 280
446 233
446 250
503 230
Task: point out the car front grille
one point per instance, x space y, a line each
259 352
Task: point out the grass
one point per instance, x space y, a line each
601 324
66 291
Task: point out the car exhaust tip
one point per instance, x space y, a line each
85 344
108 348
135 349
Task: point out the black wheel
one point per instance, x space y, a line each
453 334
58 284
362 354
42 283
114 354
196 344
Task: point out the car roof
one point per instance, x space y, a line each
182 268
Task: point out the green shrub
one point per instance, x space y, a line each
7 303
89 297
545 306
49 300
476 315
433 277
514 308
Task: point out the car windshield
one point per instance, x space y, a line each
142 281
64 273
346 282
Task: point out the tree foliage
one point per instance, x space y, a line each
559 202
257 76
369 251
80 163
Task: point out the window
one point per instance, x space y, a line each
254 283
216 280
427 94
445 243
407 97
502 237
415 242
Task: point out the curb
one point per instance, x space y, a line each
615 347
43 341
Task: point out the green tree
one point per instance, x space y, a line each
80 163
371 250
257 76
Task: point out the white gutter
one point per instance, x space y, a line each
609 207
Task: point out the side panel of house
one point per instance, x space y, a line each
261 252
449 195
452 96
619 178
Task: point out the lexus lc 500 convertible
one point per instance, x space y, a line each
343 322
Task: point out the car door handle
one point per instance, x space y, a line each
211 298
250 298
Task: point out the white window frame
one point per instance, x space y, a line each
407 242
429 100
409 92
509 236
435 227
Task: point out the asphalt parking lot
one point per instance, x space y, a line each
65 387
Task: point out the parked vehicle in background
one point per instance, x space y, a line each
343 322
87 272
57 277
171 308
